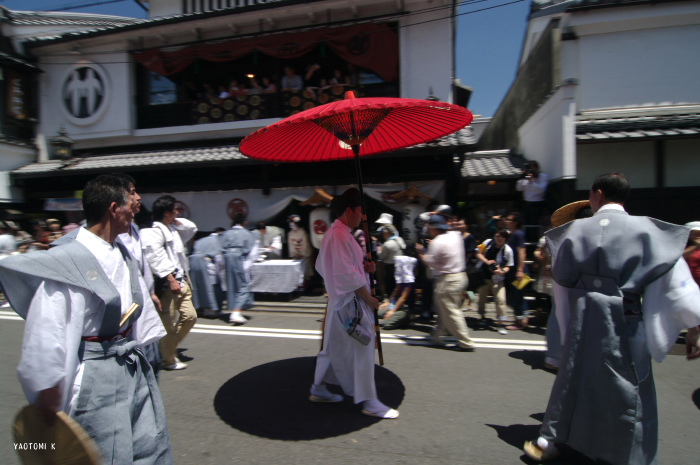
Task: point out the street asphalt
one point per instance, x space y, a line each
244 398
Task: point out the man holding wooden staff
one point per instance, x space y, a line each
345 359
81 349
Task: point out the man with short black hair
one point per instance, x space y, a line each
164 247
76 355
623 294
344 360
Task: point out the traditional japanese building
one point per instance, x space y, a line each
167 99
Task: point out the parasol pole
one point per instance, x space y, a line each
368 240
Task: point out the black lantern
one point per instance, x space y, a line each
62 145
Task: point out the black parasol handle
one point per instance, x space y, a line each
368 247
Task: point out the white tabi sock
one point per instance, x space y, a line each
543 443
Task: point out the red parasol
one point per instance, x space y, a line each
355 127
375 125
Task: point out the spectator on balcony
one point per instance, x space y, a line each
209 92
339 79
54 229
312 76
269 87
235 89
353 78
291 81
254 88
222 92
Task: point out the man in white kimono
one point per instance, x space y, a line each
76 357
623 294
343 360
164 247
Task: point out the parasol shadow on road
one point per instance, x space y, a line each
272 401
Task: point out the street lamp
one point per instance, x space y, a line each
62 145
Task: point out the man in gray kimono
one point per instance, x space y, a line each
623 294
208 274
240 250
76 356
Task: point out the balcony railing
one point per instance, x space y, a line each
252 107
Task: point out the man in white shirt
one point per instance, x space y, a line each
534 188
445 256
76 355
164 247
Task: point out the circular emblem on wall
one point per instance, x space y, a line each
203 120
184 210
337 90
320 227
228 104
203 107
308 94
229 117
308 105
236 206
85 93
295 101
216 113
255 100
323 98
242 110
255 114
359 44
241 98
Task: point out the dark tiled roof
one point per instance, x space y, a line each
492 164
50 18
462 137
181 157
6 57
638 127
163 20
539 7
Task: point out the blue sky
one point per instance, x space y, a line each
488 42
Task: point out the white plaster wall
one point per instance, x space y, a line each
682 163
634 159
11 158
426 56
640 68
117 118
548 135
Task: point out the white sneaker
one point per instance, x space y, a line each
237 319
178 365
502 331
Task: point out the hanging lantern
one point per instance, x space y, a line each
319 224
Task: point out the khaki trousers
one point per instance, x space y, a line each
178 317
448 300
499 297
